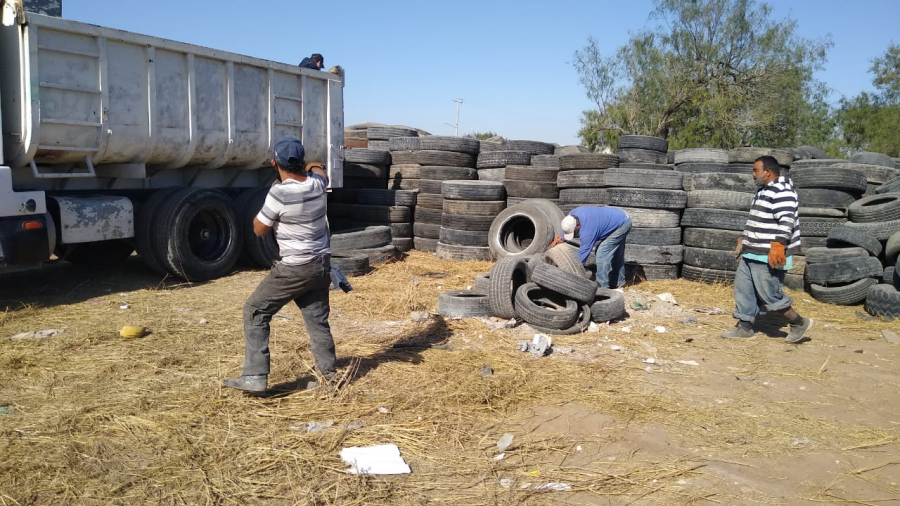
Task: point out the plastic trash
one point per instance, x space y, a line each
504 442
379 459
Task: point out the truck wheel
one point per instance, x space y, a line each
198 236
146 227
97 254
259 251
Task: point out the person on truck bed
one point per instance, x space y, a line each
315 62
295 209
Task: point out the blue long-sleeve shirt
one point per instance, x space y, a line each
596 224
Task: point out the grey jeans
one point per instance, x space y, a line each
756 283
308 286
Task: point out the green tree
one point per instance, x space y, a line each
716 73
869 121
481 135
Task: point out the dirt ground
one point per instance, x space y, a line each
653 410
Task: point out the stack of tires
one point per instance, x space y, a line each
580 179
825 192
494 157
373 243
366 168
642 152
652 252
718 206
427 162
700 160
392 208
469 208
523 182
883 299
879 169
878 217
379 136
740 160
843 271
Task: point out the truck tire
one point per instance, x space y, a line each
146 229
201 236
701 155
819 227
520 230
879 207
845 270
821 255
261 251
890 186
654 236
426 215
719 181
495 159
637 155
643 142
870 158
749 155
708 238
466 222
843 236
571 285
365 171
717 199
883 300
711 168
505 278
386 197
463 304
534 148
443 173
821 197
721 260
892 248
711 218
881 230
426 230
843 294
652 218
385 133
382 214
588 196
425 244
476 208
637 273
472 190
545 161
588 178
445 158
830 177
463 253
361 238
654 255
351 264
587 161
367 156
463 237
429 200
545 308
653 199
642 178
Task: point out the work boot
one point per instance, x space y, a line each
257 383
329 381
742 329
799 330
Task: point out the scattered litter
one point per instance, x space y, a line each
379 459
499 323
203 321
37 334
640 307
124 306
801 442
316 426
419 316
578 448
440 287
469 287
688 362
890 336
383 410
506 482
593 328
564 350
286 317
536 473
690 320
498 458
667 297
487 371
660 329
184 310
539 346
615 347
648 368
504 442
709 310
650 360
123 294
134 332
557 487
625 329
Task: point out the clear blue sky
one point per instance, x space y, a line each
510 61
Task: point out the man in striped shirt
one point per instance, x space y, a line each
295 208
771 238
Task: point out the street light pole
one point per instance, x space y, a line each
455 126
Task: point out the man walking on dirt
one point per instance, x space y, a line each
314 61
606 227
295 208
771 238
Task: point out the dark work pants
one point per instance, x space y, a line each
308 286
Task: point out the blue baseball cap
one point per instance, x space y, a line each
289 153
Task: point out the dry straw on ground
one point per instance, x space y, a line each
100 420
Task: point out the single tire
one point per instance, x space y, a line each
636 155
545 161
590 196
589 178
430 186
425 244
711 218
398 230
506 276
819 227
830 177
807 243
819 197
646 166
708 276
387 133
638 273
749 155
883 300
382 214
719 182
813 151
437 143
653 199
351 264
582 322
708 238
463 237
819 212
529 173
494 159
472 190
545 308
881 230
891 276
844 294
795 282
474 208
427 230
654 236
530 189
428 216
377 255
607 305
365 171
639 178
335 209
871 158
701 155
405 171
200 237
463 253
841 237
494 175
520 230
367 156
441 173
875 174
532 147
467 222
844 270
653 218
643 142
404 157
483 282
565 283
711 259
387 197
403 244
565 256
822 255
361 238
717 199
430 201
463 304
880 207
445 158
712 168
587 161
656 255
892 248
147 227
890 186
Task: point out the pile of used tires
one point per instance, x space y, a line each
550 291
468 210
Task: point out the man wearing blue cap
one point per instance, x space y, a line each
603 227
295 208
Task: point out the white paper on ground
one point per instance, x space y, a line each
379 459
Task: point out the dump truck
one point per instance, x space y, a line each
116 142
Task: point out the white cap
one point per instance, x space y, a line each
568 227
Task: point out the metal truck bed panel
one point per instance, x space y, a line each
91 94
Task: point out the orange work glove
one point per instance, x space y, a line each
556 241
310 165
776 255
737 250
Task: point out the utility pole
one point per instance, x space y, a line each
455 126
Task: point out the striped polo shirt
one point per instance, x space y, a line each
296 210
773 218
